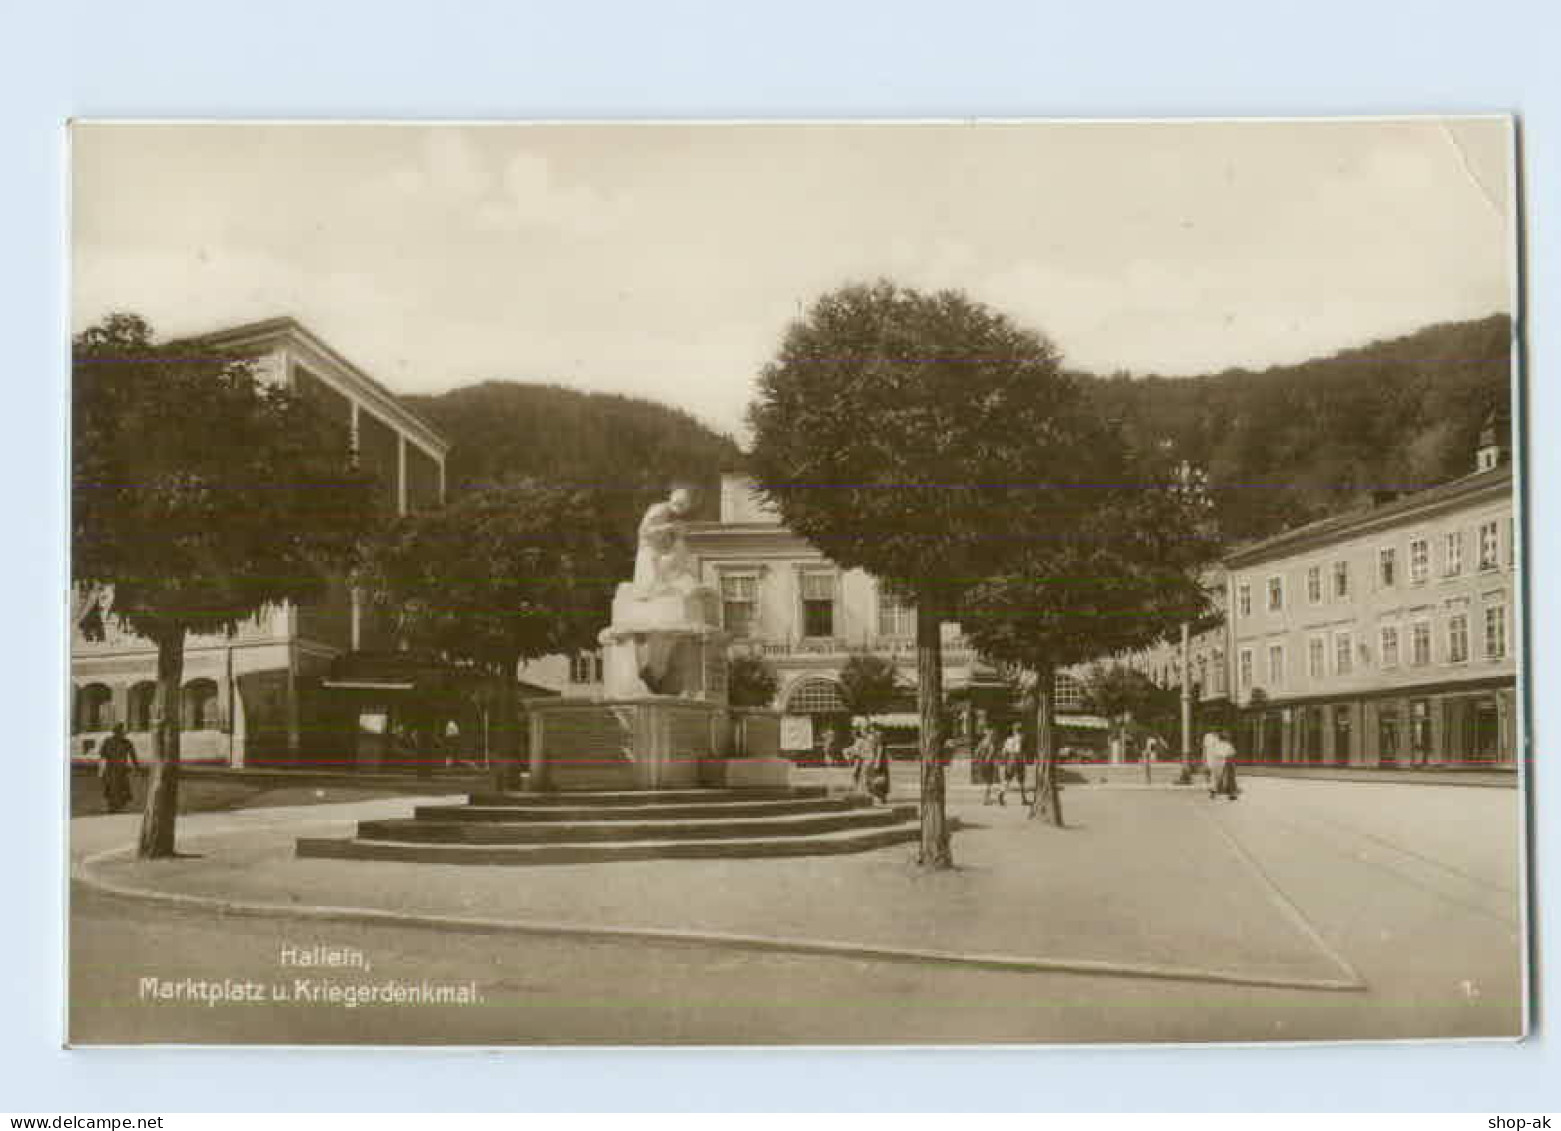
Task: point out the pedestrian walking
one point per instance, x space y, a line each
1219 759
1154 748
877 766
1013 765
116 757
983 763
856 757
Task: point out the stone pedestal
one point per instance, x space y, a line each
663 721
669 644
658 742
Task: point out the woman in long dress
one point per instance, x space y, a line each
877 771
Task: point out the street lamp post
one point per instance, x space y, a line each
1186 701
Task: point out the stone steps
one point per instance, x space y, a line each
596 831
647 796
651 809
556 828
818 844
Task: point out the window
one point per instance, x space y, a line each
1457 638
1389 646
1419 561
1220 675
1342 659
739 603
1341 579
1244 599
1314 585
1244 671
1316 660
815 697
1276 665
1495 631
200 705
1489 550
1276 594
1387 561
896 617
1067 692
1452 561
818 604
143 696
1420 643
585 667
95 708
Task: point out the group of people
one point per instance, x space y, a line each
866 755
999 763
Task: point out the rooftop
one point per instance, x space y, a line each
1386 513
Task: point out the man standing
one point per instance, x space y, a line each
115 759
1013 765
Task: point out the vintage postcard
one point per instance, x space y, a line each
908 583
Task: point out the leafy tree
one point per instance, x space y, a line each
199 495
869 684
1119 577
899 432
751 682
1118 691
504 574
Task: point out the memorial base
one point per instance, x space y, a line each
661 742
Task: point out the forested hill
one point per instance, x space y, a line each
1282 446
629 447
1291 443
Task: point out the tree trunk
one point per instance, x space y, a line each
162 790
935 852
1047 802
503 759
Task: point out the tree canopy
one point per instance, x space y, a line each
1120 577
902 432
200 495
504 573
910 435
869 683
751 682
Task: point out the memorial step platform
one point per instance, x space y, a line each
572 828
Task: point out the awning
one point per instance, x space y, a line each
367 685
894 719
1082 722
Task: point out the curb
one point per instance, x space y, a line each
84 872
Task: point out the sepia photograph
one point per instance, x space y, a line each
813 583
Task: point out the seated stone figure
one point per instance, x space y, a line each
649 647
663 565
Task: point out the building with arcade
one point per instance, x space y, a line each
297 685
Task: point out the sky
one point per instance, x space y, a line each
666 261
